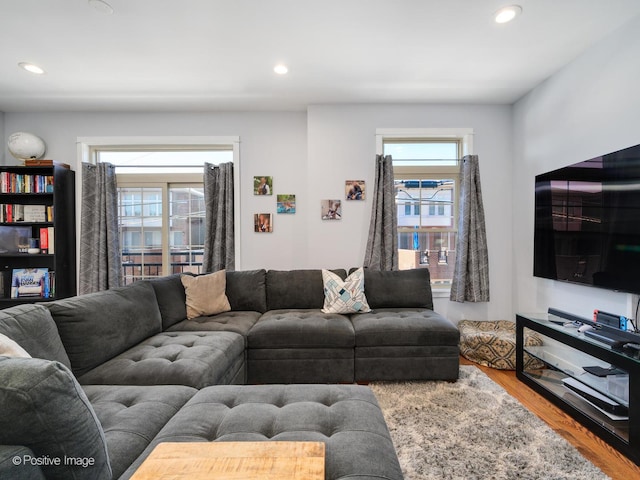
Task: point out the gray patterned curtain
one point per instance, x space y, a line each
100 260
219 252
382 244
471 272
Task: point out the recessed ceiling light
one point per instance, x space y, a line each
506 14
280 69
101 6
31 68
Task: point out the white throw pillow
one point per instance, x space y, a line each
206 294
344 296
9 348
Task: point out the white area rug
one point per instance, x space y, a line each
473 429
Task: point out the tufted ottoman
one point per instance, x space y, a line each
346 418
493 344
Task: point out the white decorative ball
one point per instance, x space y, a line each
24 146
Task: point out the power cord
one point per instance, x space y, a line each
635 317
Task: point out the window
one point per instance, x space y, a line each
161 210
426 172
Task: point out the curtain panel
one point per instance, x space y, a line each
382 243
471 271
219 250
100 259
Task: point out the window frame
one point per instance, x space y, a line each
87 148
462 135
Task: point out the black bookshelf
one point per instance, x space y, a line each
50 192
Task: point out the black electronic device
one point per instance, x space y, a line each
602 371
607 337
568 316
610 319
595 397
587 222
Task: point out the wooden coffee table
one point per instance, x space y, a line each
234 461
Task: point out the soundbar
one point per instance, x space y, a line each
609 338
569 316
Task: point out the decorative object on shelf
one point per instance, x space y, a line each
14 239
24 145
34 246
354 189
30 282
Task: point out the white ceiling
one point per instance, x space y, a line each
203 55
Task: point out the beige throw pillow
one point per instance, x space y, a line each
206 294
9 348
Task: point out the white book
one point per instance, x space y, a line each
51 239
35 213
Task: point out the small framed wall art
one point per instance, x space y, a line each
354 189
263 185
262 223
286 203
331 209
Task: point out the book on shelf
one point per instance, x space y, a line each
11 182
35 213
44 239
51 244
30 282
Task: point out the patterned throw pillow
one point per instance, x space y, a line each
344 296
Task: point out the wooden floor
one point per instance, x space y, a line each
609 460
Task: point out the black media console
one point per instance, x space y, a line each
596 382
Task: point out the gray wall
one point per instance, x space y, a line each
311 154
590 108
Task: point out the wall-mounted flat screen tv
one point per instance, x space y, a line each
587 222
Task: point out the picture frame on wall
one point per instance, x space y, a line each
354 189
286 203
331 209
262 185
263 223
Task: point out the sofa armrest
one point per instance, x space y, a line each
19 463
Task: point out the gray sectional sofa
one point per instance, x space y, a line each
117 372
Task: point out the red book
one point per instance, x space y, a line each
44 240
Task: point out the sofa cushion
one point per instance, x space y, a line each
206 294
344 296
401 288
33 328
195 359
403 327
131 416
44 409
98 326
296 288
233 321
246 290
346 418
299 328
171 298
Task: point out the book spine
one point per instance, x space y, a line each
51 240
44 239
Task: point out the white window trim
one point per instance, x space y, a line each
463 134
84 146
